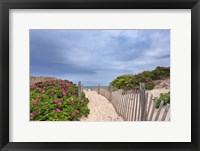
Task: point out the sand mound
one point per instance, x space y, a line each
34 79
162 84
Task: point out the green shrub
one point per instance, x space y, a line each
165 97
128 82
160 73
123 82
149 85
56 101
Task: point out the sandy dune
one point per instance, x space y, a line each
100 108
156 92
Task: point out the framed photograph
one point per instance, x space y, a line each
82 75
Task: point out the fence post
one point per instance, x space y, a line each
142 101
110 90
99 89
79 89
142 86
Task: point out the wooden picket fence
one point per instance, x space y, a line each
136 105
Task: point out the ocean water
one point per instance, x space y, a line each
96 87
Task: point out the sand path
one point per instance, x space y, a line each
100 108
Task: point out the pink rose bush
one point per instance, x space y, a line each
57 100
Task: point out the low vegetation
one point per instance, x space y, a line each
130 82
56 100
165 97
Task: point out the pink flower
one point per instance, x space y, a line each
64 94
58 110
52 93
77 111
43 91
56 101
33 113
39 97
73 114
72 102
62 83
35 102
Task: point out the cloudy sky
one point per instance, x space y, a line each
97 56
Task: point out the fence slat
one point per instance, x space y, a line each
145 106
127 106
120 105
158 113
118 102
165 112
136 107
153 109
133 107
122 109
123 105
127 100
150 101
139 114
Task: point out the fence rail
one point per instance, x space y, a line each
138 105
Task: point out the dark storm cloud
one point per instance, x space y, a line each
97 56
